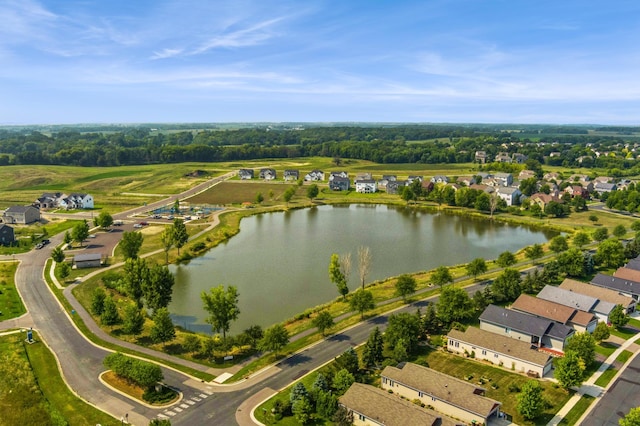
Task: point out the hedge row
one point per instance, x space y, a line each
142 373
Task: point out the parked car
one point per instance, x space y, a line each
143 223
137 225
39 246
45 242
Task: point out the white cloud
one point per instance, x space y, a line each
254 35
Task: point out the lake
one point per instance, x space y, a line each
280 261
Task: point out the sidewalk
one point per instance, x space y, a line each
589 387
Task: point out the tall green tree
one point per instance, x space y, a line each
97 301
405 286
584 345
180 234
507 286
275 338
64 270
600 234
581 239
601 332
57 254
570 370
104 220
133 319
323 322
222 306
610 253
163 330
158 289
362 301
254 333
572 262
136 277
406 327
312 191
130 244
454 304
337 277
506 259
109 314
166 239
80 232
372 353
530 400
534 252
619 231
476 267
558 244
618 317
441 276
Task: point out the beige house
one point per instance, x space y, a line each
580 321
500 350
21 215
447 395
373 406
600 293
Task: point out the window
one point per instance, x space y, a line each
484 352
420 394
495 355
361 417
433 398
507 330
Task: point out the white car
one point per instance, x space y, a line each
137 225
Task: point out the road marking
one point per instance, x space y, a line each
177 409
171 413
162 416
195 398
190 402
203 395
184 406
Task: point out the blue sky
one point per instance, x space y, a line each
134 61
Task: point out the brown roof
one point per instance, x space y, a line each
582 318
454 391
502 344
386 408
601 293
543 308
627 274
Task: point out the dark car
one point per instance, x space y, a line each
45 242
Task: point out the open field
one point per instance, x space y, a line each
10 303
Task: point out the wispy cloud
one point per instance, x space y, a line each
251 36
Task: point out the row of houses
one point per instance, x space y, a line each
526 336
24 215
447 400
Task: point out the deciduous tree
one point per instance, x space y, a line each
618 317
323 322
476 267
364 263
133 320
454 304
275 338
581 239
163 330
441 276
158 288
337 277
558 244
405 286
506 287
632 418
506 259
610 253
601 332
406 327
166 239
80 232
180 234
362 301
584 345
570 370
534 252
136 276
130 244
312 191
530 400
222 306
104 220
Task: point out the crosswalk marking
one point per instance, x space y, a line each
196 399
190 402
203 395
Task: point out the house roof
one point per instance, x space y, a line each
5 228
567 298
442 386
515 320
633 264
582 318
627 274
496 343
617 282
508 190
543 308
87 257
19 209
386 408
608 295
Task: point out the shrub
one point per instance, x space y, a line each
139 372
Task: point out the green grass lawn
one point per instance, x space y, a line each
624 356
623 333
11 305
577 411
606 348
606 377
33 392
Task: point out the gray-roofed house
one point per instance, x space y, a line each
621 281
291 175
500 350
440 179
373 406
601 293
7 236
602 187
366 186
89 260
314 176
580 321
511 195
21 215
339 183
505 179
540 332
245 174
600 308
446 394
341 174
633 264
267 174
395 186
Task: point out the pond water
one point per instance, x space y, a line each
280 261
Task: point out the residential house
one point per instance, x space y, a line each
551 176
7 236
395 186
21 215
446 394
577 191
624 280
382 183
76 201
601 293
505 179
603 179
439 179
526 174
363 176
518 158
536 331
48 200
483 175
542 199
583 302
484 188
427 186
480 157
267 174
89 260
466 180
580 321
500 350
602 187
503 157
333 175
314 175
245 174
511 195
338 183
623 184
372 406
633 264
293 175
366 186
410 179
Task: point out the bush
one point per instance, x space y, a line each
514 388
139 372
163 396
198 247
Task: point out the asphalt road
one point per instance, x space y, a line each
622 396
